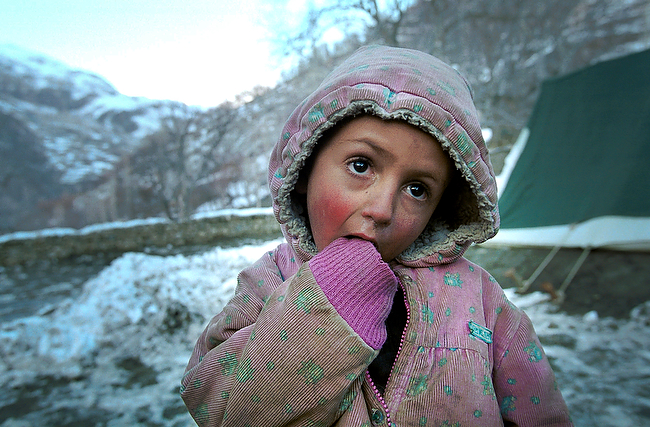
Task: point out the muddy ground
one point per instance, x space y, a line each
609 282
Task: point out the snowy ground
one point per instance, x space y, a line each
113 355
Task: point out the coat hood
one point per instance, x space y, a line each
397 84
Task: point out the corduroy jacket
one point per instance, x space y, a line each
279 354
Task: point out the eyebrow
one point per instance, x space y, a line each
375 147
433 173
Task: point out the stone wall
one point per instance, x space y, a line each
135 236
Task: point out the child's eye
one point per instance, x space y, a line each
417 191
359 166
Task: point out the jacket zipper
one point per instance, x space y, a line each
399 350
380 398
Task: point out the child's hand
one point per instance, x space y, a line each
358 284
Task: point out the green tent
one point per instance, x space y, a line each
579 175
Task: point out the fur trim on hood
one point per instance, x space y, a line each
396 84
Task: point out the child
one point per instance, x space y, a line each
370 315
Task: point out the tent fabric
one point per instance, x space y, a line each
585 154
608 232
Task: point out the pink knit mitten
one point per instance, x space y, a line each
358 284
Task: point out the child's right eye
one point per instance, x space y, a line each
359 166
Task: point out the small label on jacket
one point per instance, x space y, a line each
480 332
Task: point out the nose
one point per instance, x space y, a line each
380 205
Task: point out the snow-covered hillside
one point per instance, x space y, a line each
41 72
84 123
64 132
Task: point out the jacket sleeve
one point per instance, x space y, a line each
277 355
524 382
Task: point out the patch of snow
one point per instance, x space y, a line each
24 235
233 212
487 134
43 70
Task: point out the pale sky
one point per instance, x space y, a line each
199 52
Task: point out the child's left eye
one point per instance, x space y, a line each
417 191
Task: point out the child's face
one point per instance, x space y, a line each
376 180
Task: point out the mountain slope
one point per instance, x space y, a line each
84 124
71 125
88 149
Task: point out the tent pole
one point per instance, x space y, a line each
526 283
572 274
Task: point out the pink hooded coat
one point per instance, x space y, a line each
280 354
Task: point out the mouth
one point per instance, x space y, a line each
364 237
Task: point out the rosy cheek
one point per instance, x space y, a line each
327 216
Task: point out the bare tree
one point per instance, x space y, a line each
174 159
372 20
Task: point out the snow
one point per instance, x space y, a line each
135 289
43 70
24 235
145 307
487 134
73 154
147 113
234 212
602 365
47 232
153 308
